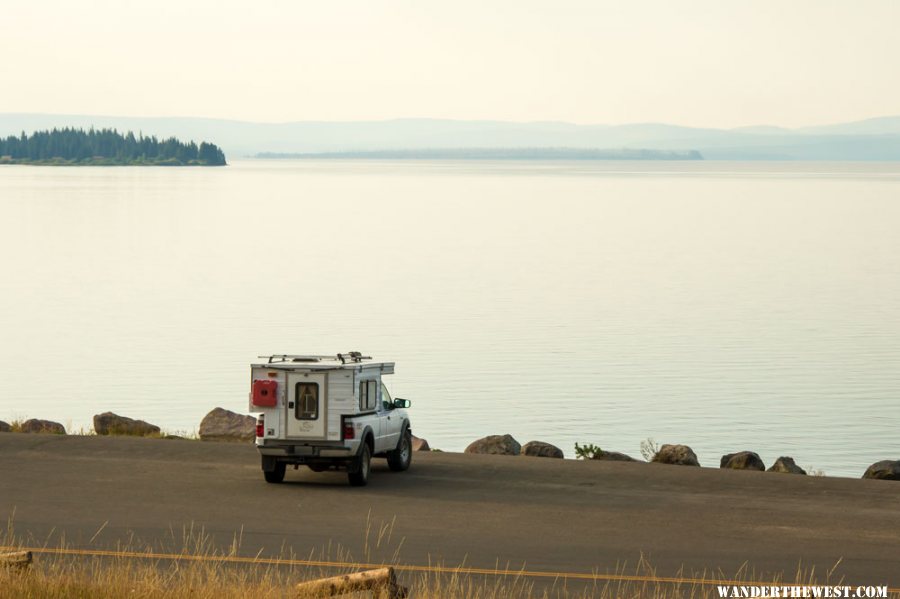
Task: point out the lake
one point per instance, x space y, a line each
727 306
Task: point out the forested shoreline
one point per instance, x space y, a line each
105 147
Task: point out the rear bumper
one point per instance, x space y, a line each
300 453
316 457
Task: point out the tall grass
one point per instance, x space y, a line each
206 572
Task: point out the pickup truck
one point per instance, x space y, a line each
327 413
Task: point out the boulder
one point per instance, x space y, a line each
5 427
539 449
495 444
742 460
613 456
884 470
108 423
224 425
43 426
681 455
786 465
420 444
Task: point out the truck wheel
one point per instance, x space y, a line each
360 476
276 475
399 459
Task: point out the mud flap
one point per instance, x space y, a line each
354 464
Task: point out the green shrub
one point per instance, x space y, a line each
589 451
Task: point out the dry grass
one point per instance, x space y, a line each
15 424
206 572
649 449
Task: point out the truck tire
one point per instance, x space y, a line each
400 459
276 475
359 477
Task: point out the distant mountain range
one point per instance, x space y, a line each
871 139
543 153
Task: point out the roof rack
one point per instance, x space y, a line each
295 358
353 357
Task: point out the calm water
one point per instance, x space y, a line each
727 306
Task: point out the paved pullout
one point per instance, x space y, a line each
543 514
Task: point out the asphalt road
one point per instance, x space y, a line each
540 514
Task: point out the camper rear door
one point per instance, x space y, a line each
306 409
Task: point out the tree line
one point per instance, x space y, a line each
106 147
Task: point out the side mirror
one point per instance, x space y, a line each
402 403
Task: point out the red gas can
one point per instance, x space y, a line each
265 393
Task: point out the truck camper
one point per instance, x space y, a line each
327 412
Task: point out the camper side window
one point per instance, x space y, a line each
306 405
368 395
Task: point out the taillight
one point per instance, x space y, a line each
260 426
349 431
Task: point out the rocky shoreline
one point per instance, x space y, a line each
224 425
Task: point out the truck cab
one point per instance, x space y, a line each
328 413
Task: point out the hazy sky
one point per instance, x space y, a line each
716 63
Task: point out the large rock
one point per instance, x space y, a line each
742 460
786 465
224 425
884 470
613 456
420 444
108 423
681 455
539 449
5 427
43 426
495 444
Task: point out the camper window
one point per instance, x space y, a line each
368 395
307 401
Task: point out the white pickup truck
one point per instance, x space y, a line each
328 413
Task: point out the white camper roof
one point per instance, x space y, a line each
346 361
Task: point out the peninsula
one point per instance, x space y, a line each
105 147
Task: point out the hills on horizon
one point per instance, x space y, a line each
870 139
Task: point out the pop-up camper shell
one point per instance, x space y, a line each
327 412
